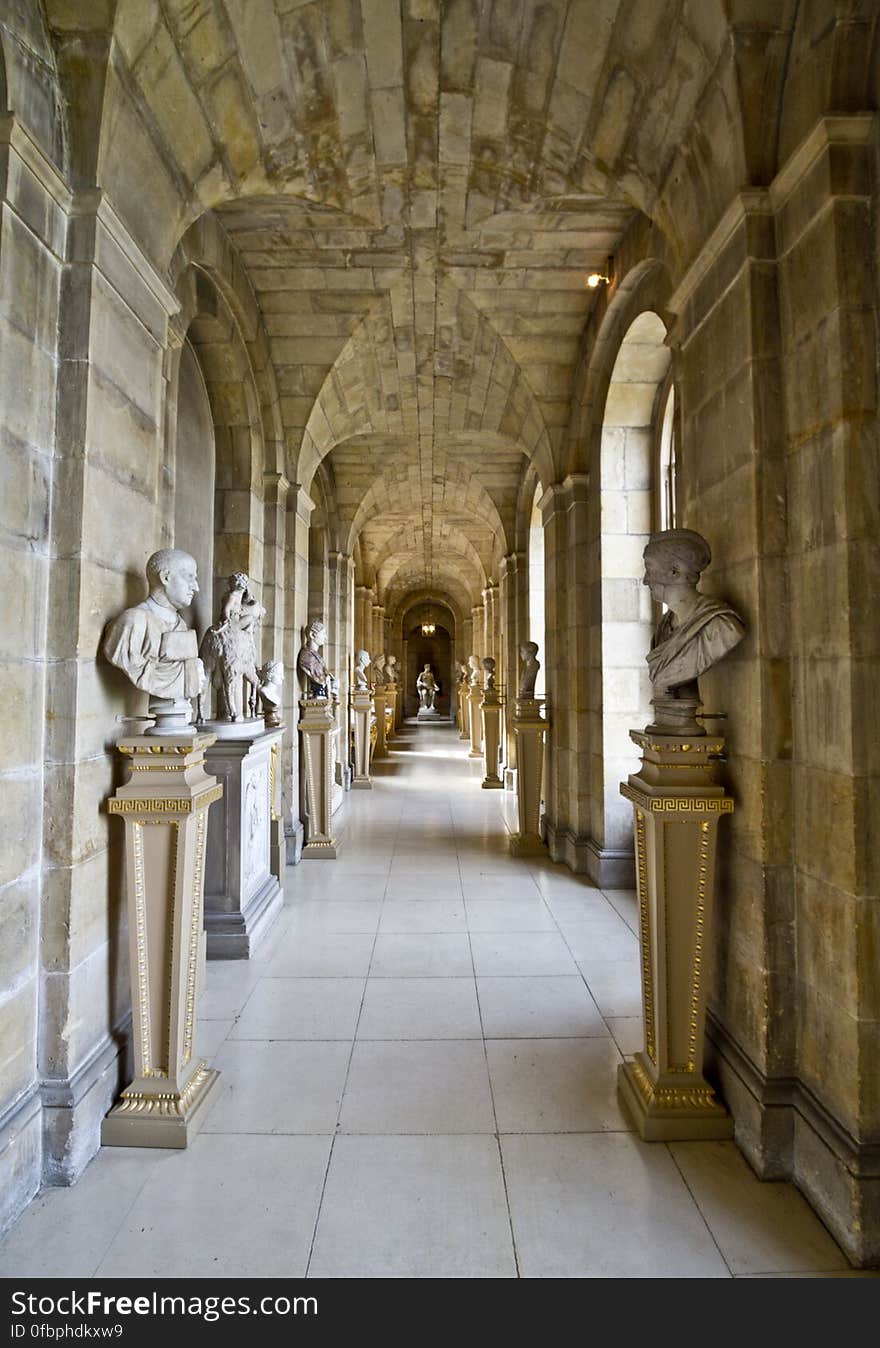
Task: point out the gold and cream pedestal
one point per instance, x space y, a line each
164 805
475 722
391 699
380 703
464 712
490 711
677 805
361 711
318 726
529 728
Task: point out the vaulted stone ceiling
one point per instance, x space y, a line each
417 189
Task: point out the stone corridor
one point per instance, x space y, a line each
420 1080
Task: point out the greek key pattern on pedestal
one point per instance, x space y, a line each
677 804
144 806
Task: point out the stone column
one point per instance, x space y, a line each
490 711
164 804
299 509
677 805
361 711
379 749
243 896
275 489
475 722
317 726
529 727
513 590
341 570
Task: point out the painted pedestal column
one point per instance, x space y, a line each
392 694
464 712
361 712
164 805
243 896
475 723
379 702
490 711
317 726
529 727
677 805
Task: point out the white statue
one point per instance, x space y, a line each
528 674
314 674
361 661
391 669
271 679
488 672
474 666
427 689
229 652
692 636
379 669
153 646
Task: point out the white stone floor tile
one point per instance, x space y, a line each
552 1007
509 915
279 1087
239 1207
528 953
301 1008
555 1085
418 997
604 1206
421 955
420 1008
66 1232
401 916
615 985
414 1207
322 955
421 1087
759 1227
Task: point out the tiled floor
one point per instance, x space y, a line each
419 1080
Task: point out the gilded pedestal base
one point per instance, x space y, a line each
490 710
164 805
529 729
677 804
317 726
361 713
380 703
475 723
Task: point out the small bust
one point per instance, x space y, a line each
528 674
314 674
488 672
271 679
379 669
361 663
695 632
151 642
391 669
474 666
462 673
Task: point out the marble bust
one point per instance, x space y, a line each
474 666
153 646
361 661
528 674
391 669
271 679
694 633
379 669
314 674
488 672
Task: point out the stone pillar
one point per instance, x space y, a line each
361 711
529 727
341 569
475 722
677 805
243 896
379 749
363 619
275 489
490 711
164 804
299 509
317 725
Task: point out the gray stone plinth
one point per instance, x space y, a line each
242 895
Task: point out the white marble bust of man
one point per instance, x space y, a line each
150 642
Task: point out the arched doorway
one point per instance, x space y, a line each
434 649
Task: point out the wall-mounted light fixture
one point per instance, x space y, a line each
596 279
